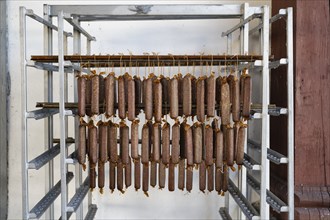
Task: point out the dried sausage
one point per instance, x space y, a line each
175 152
186 87
208 145
157 90
93 151
148 96
112 140
156 142
189 145
95 95
166 143
103 142
189 180
230 146
153 174
219 149
121 98
135 139
236 107
198 144
138 93
210 178
112 176
110 85
202 176
181 174
130 98
171 177
120 176
162 175
174 98
100 176
225 102
81 96
240 144
137 174
92 177
200 99
124 143
145 144
165 81
145 180
210 96
128 174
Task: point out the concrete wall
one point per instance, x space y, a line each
176 37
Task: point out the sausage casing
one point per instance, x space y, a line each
121 98
175 152
189 180
112 176
135 139
95 101
81 96
171 177
200 99
120 176
137 174
128 174
202 176
210 96
145 144
210 178
148 96
181 178
92 177
193 95
198 143
124 143
110 86
156 142
145 179
219 149
240 144
157 90
208 145
225 177
153 173
225 102
174 98
82 145
218 94
189 145
182 140
165 93
131 99
138 93
166 143
236 106
100 176
112 140
218 180
88 96
230 146
187 99
93 146
162 175
103 143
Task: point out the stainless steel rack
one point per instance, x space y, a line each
74 15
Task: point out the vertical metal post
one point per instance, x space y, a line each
244 38
25 184
48 91
264 183
78 170
290 85
62 115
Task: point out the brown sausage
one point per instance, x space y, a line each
162 175
200 99
218 94
153 174
236 106
208 145
215 127
95 95
148 96
180 93
88 96
181 174
202 176
236 129
112 176
145 144
219 149
112 140
165 81
157 90
189 145
171 177
218 180
135 139
210 178
100 176
92 177
145 180
210 96
175 152
198 144
121 98
124 143
182 140
110 85
120 176
103 142
193 95
174 98
225 176
82 145
138 93
230 146
240 144
137 174
186 87
130 99
81 96
189 180
93 146
225 102
156 142
230 80
166 143
102 93
128 174
246 95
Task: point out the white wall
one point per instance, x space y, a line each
176 37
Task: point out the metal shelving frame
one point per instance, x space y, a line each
74 15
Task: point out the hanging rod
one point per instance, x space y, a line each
149 60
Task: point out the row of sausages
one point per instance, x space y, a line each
159 96
120 176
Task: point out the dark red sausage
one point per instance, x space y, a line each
145 180
120 176
189 181
92 177
208 145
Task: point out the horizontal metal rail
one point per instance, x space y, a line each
224 214
77 27
39 209
281 14
242 23
276 203
30 13
68 68
79 196
242 202
41 113
91 212
250 163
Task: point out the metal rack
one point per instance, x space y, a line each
73 15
